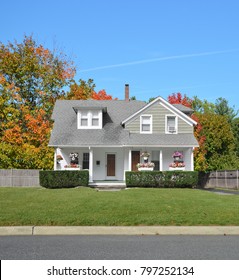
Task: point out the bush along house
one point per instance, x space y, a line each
109 137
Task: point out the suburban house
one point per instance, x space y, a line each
109 137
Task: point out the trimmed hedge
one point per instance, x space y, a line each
162 179
63 178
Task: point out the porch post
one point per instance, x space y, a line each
130 160
55 161
160 160
192 160
91 165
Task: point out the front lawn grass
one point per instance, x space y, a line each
86 207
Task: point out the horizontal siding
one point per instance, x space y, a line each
184 127
158 112
134 126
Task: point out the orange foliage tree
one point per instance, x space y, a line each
31 79
86 90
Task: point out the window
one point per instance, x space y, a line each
171 124
84 119
86 160
95 119
146 124
91 119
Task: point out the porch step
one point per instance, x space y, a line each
108 186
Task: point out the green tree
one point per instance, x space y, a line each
202 106
222 108
219 142
235 129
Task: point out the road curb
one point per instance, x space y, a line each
120 230
16 230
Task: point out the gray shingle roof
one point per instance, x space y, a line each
183 108
65 132
165 140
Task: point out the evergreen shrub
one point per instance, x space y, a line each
63 178
162 179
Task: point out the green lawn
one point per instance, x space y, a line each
84 206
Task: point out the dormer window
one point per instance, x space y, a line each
95 121
84 119
171 125
89 119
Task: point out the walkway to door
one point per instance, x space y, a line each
108 185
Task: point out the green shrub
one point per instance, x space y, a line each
63 178
162 179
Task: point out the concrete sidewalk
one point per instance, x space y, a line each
120 230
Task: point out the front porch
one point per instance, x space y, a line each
107 165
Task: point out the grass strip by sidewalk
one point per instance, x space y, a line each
85 206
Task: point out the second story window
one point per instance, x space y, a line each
91 119
84 119
95 119
146 124
171 124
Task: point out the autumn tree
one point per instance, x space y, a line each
86 90
31 79
178 98
82 91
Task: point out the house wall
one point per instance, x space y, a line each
167 157
100 171
158 112
99 154
123 159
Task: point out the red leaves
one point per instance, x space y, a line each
101 95
176 98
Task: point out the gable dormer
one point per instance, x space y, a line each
160 117
89 117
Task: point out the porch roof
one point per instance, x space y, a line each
163 140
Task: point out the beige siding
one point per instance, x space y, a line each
184 127
134 125
158 112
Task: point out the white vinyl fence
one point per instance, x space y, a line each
19 178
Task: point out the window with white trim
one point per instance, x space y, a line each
146 124
95 121
91 119
171 124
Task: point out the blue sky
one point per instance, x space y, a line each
157 47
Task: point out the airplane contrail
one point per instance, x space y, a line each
157 59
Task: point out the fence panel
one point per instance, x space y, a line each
228 179
19 178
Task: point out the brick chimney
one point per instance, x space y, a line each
126 92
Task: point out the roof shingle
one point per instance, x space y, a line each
65 132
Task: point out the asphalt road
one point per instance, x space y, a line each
119 247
